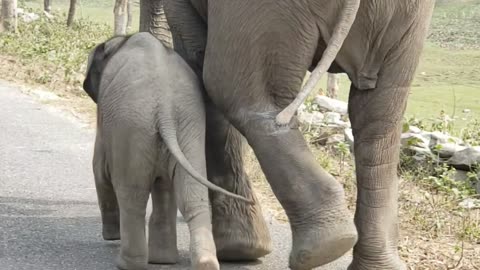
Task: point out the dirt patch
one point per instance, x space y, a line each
68 96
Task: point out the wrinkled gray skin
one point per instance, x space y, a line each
253 57
150 139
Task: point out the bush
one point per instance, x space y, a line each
50 40
429 171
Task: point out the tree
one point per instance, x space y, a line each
71 12
120 17
153 20
333 85
9 15
46 6
129 15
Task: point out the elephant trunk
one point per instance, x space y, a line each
154 20
167 130
340 32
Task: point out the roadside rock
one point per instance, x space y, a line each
348 133
311 118
26 16
447 150
326 132
465 159
332 117
414 129
460 176
416 140
335 119
331 105
336 138
470 203
437 137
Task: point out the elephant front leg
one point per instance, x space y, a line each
162 244
239 229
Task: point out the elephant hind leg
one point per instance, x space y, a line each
107 200
192 197
162 244
133 250
240 230
132 171
192 201
250 85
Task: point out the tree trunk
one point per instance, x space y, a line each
129 14
9 17
71 12
46 6
153 20
333 85
120 17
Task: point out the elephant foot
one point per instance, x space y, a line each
241 235
206 263
111 232
324 243
388 262
126 263
162 255
237 248
202 250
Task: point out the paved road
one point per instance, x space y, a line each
49 219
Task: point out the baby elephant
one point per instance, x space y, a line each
150 139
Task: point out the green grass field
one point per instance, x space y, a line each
448 77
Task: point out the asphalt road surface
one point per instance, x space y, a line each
49 218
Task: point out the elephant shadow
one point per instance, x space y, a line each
49 234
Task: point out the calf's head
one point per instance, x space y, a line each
97 61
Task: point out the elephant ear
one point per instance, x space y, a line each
91 84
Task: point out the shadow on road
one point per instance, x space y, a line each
44 234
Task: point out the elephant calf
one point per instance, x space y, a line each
151 118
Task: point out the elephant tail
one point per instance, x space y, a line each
340 32
168 132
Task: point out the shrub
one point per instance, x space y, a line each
50 40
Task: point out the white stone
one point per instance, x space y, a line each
466 158
336 138
447 150
470 203
332 118
348 133
331 105
314 118
414 129
30 17
418 140
19 11
460 176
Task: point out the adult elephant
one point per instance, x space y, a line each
253 55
